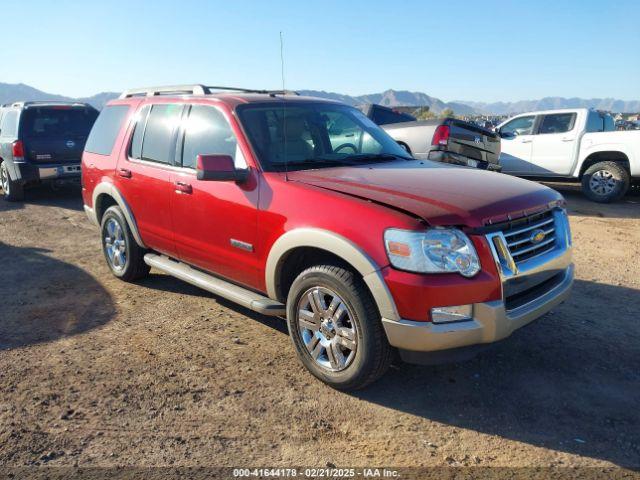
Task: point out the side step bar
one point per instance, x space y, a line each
239 295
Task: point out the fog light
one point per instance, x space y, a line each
458 313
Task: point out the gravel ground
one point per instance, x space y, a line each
99 373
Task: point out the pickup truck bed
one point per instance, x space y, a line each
449 141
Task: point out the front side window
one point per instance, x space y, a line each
9 126
314 135
207 132
557 123
518 126
158 144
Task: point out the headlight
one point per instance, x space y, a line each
436 250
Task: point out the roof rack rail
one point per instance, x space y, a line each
41 102
196 89
169 89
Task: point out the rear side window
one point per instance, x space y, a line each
105 131
9 126
557 123
58 122
208 133
138 133
158 144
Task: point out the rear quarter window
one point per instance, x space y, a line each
9 125
105 131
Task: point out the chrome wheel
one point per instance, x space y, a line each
602 182
327 329
115 245
4 178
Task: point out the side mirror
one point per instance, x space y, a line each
219 168
404 146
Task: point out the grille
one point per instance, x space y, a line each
522 298
519 233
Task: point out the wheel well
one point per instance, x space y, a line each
299 259
613 156
103 201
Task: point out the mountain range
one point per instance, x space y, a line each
391 98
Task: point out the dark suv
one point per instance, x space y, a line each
42 142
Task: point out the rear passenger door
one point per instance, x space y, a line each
554 145
144 173
215 222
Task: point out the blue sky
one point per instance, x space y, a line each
453 50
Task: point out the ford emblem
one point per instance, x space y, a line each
71 143
537 236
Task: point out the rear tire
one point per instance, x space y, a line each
124 256
336 328
605 182
12 191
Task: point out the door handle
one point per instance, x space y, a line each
525 141
123 172
182 187
567 139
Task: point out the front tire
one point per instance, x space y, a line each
124 256
12 191
605 182
336 328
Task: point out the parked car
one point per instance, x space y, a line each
446 140
574 144
42 142
365 250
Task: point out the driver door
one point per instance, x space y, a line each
516 138
215 222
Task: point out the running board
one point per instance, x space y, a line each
236 294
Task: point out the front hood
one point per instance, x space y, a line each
438 193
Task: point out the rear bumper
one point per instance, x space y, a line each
27 172
455 159
491 322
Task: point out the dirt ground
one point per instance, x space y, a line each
97 372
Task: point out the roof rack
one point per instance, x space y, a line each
196 89
42 103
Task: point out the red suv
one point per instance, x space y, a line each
304 207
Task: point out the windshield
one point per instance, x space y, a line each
315 135
58 122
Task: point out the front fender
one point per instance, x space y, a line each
339 246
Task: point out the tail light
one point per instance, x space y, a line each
441 135
18 149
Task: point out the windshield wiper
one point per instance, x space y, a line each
378 157
316 161
350 160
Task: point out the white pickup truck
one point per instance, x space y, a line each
579 144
